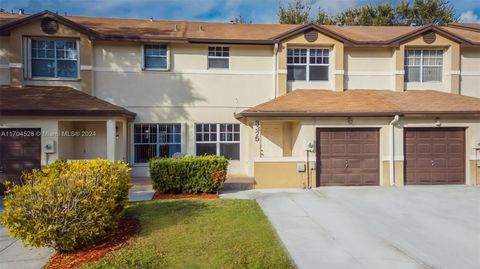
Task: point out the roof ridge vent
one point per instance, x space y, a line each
201 28
413 24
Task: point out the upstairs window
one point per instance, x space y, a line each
155 57
307 64
218 57
218 139
423 65
54 58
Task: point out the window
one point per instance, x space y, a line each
423 65
218 57
218 139
155 57
307 64
53 58
156 140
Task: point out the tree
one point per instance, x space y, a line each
422 12
296 12
324 18
383 14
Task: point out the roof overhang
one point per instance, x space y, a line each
56 101
365 103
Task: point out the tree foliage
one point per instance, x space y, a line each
296 12
420 12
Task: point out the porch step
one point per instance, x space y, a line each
239 183
141 184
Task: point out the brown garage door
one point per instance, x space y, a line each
20 150
434 156
347 156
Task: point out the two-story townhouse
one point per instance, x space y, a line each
289 105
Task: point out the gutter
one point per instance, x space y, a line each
392 149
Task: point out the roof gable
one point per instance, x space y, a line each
47 14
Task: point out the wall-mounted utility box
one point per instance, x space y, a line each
300 167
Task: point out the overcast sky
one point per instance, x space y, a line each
258 11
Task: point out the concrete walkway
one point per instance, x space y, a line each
374 227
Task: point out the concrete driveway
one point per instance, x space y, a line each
374 227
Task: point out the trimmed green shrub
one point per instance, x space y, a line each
192 174
67 205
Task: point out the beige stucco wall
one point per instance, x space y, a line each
278 175
16 56
189 92
369 68
470 72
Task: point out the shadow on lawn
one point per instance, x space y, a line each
160 214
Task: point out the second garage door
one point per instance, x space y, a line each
347 156
434 156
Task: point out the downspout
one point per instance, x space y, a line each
275 89
392 149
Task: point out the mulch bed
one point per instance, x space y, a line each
159 196
127 228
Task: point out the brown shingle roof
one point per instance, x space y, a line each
189 31
55 101
365 103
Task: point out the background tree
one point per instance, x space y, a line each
422 12
383 14
324 18
296 12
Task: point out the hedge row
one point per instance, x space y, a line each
192 174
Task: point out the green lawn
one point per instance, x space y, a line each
194 233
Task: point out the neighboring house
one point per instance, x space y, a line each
364 105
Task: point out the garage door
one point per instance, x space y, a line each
347 156
434 156
20 150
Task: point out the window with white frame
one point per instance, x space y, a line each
156 140
218 57
307 64
53 58
423 65
218 139
155 57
